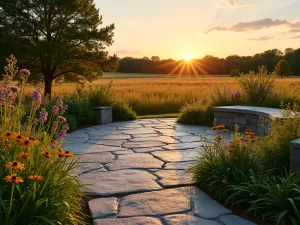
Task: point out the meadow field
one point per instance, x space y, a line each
152 94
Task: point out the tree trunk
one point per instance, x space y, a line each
48 86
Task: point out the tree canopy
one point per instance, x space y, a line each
282 69
56 38
212 65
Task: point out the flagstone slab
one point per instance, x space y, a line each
164 139
135 161
146 144
171 178
234 220
145 150
123 152
183 145
103 207
78 148
206 207
140 131
184 219
114 183
116 143
103 148
155 203
129 221
179 165
145 135
78 134
188 139
87 167
105 157
76 140
176 156
110 137
172 132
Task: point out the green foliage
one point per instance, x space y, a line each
57 38
274 149
235 73
272 197
257 87
122 112
218 164
282 69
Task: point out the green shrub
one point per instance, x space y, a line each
283 69
82 110
274 149
273 198
218 163
122 112
235 73
257 87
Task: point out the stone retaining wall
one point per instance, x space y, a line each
243 120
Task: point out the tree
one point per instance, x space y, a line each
282 69
155 59
235 73
57 38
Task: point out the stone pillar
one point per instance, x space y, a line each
295 155
103 115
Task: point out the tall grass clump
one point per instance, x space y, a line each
257 87
36 186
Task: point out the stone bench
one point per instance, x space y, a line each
103 115
245 117
295 155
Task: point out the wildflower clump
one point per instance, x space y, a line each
37 186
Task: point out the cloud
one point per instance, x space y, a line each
264 38
294 25
233 4
294 31
124 51
296 37
248 26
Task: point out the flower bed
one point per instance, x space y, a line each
36 186
253 171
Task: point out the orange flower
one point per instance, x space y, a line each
225 130
15 165
19 137
224 181
13 178
60 152
33 140
47 154
8 134
36 177
26 143
69 154
6 143
24 155
244 147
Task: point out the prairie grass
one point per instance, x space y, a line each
164 95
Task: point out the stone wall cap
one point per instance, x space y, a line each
271 113
103 107
295 143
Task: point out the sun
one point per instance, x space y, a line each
187 57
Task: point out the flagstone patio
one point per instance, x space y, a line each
136 172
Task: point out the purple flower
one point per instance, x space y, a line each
15 89
62 119
25 72
55 110
43 116
37 98
63 132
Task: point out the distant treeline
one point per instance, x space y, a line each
211 65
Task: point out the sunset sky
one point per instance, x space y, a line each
174 28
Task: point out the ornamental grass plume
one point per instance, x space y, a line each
36 185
